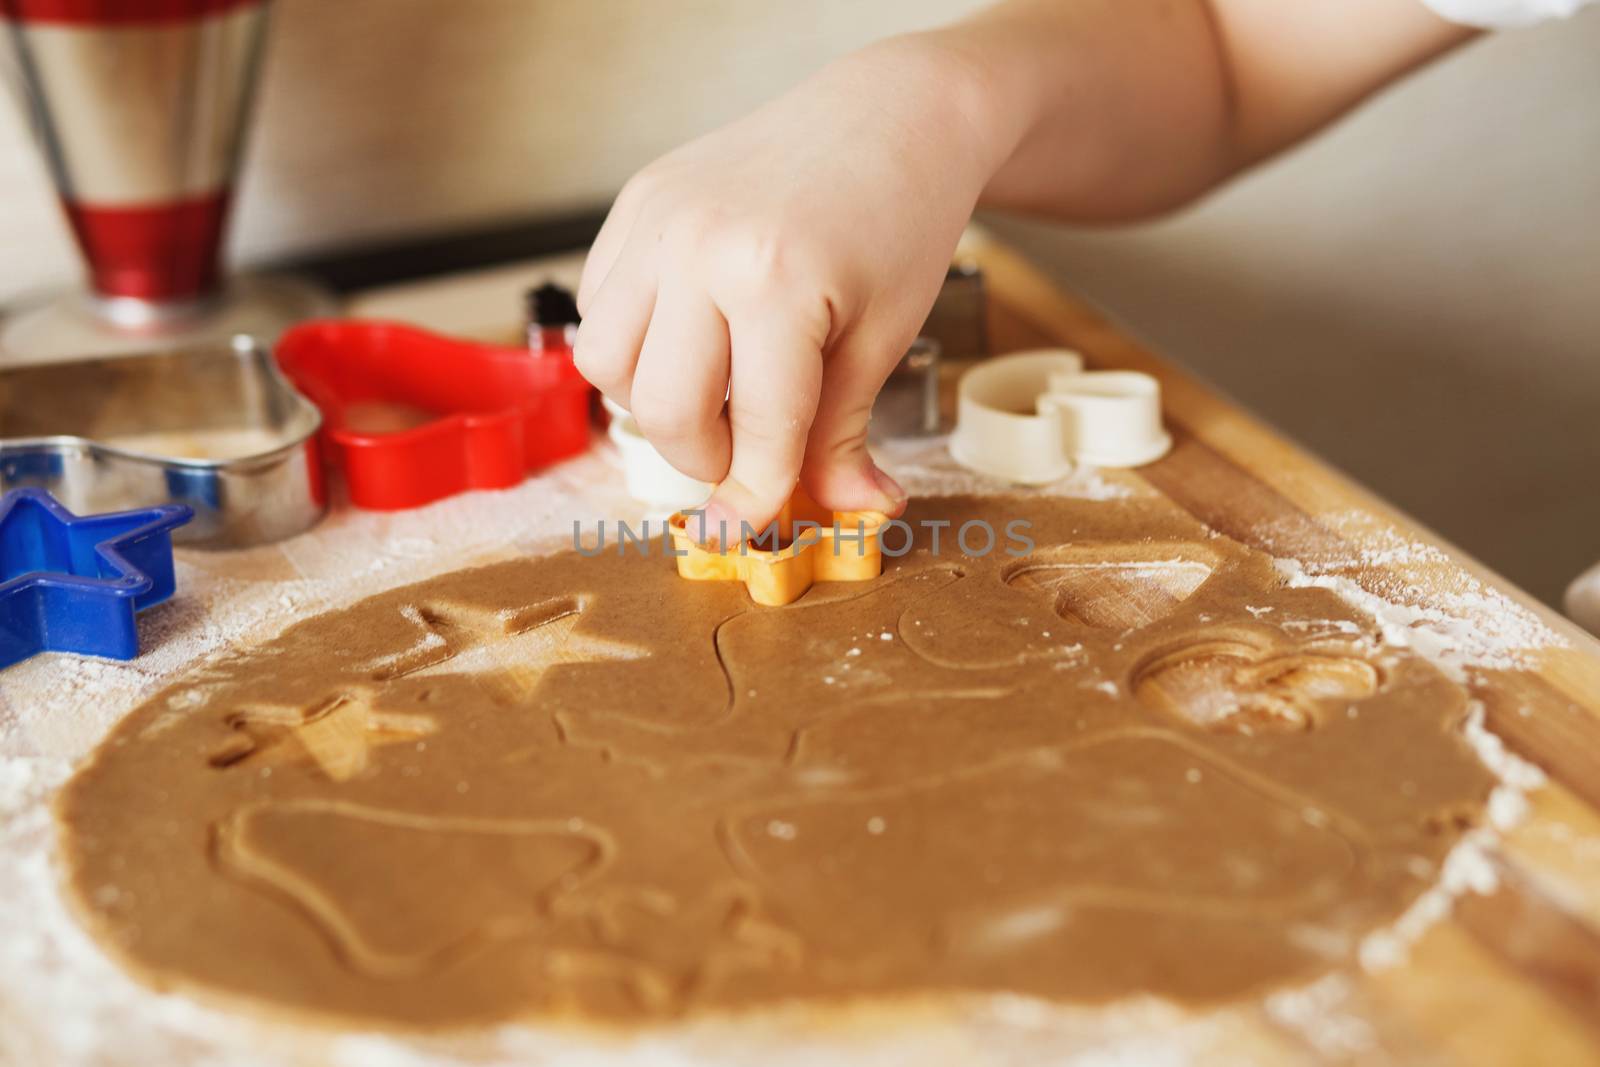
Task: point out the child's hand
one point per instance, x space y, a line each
785 263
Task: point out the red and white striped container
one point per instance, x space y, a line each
140 107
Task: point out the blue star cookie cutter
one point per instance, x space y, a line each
71 583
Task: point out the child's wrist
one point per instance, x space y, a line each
959 104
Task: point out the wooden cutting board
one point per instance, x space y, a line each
1511 975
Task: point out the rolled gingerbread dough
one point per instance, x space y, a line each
1129 762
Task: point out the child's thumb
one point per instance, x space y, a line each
838 473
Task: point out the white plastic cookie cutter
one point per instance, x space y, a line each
650 478
1029 416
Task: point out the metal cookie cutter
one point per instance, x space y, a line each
412 417
956 329
650 477
959 320
213 427
72 583
1028 417
908 403
813 546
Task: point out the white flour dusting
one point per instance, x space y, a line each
1318 1014
1467 869
1418 596
1454 631
923 465
1421 601
427 641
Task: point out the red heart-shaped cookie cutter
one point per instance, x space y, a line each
476 416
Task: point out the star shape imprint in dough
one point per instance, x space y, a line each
508 652
337 734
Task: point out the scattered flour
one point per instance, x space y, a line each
1318 1014
1420 600
427 639
1417 595
1468 868
1454 630
923 465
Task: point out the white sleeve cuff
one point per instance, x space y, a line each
1503 14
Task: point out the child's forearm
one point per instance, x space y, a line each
1114 109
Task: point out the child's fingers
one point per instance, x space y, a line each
776 375
608 342
680 381
608 244
838 472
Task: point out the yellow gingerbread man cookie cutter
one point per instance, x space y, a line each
812 545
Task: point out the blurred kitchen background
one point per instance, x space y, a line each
1415 296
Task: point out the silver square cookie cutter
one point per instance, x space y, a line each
908 403
215 427
1030 416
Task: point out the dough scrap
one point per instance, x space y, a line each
1131 762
